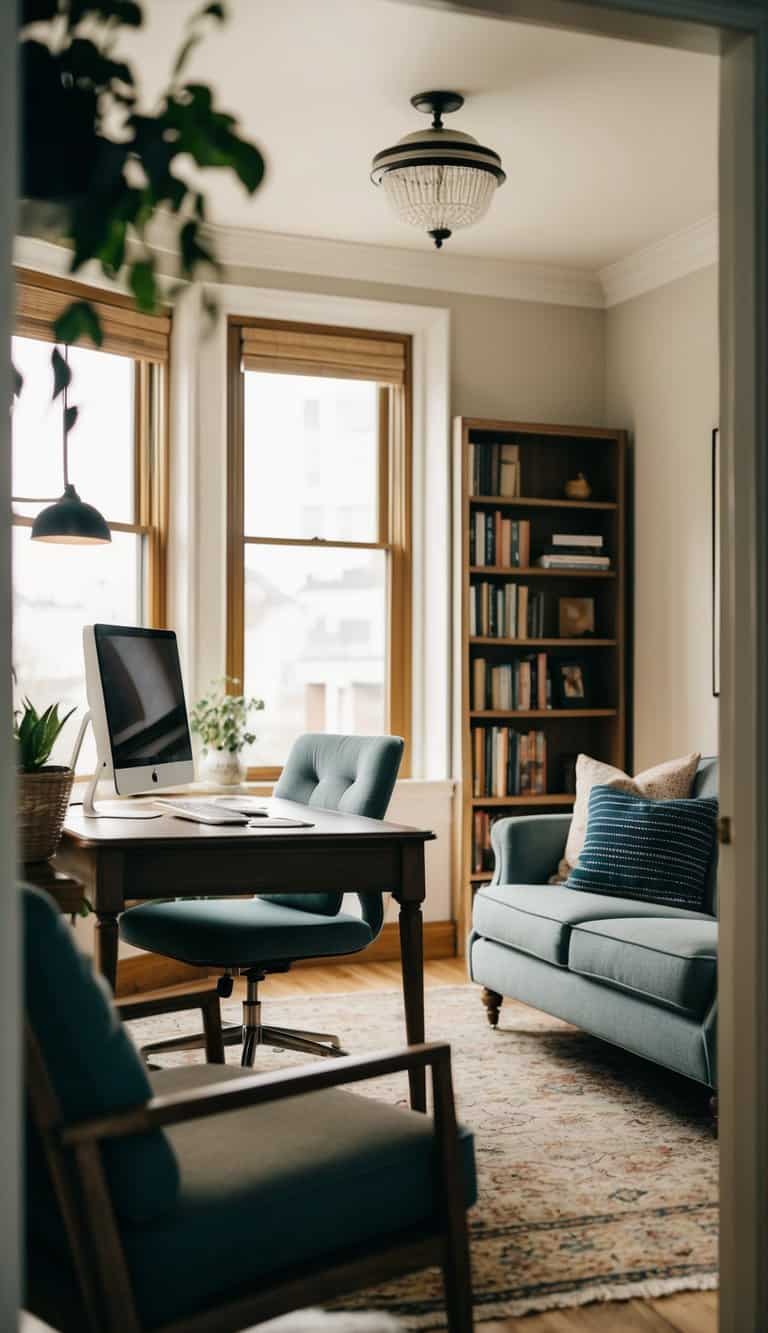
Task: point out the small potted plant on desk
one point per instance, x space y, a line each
221 722
44 789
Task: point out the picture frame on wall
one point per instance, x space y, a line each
572 686
716 562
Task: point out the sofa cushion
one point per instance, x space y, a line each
280 1187
538 918
656 851
673 962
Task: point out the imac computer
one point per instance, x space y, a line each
138 713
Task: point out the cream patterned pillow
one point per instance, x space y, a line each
670 781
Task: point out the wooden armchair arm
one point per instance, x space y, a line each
257 1089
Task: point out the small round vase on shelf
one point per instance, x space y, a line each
578 488
222 768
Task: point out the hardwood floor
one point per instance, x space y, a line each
687 1312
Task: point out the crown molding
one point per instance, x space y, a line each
240 248
244 248
673 257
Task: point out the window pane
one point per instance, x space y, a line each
311 457
315 643
101 444
57 590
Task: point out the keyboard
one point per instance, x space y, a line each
203 812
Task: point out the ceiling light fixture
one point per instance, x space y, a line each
438 179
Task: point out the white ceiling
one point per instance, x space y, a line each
608 146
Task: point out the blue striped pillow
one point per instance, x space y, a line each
657 851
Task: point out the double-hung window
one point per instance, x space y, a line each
319 531
116 462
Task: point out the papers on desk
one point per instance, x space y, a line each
272 821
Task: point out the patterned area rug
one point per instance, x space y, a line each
597 1170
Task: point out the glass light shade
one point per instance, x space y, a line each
438 198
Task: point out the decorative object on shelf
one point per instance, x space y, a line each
576 617
716 562
578 488
67 519
438 179
571 683
43 789
221 721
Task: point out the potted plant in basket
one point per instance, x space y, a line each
221 722
43 789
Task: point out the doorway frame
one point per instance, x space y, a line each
738 33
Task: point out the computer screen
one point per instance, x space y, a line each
143 696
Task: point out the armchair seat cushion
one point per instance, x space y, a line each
280 1186
672 962
227 932
538 918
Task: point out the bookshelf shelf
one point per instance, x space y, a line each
553 798
531 502
489 642
517 571
537 747
556 714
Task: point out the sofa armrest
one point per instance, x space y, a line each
526 850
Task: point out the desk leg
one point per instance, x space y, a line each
106 946
412 955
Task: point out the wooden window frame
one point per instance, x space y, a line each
394 522
151 451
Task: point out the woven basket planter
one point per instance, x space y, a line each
42 799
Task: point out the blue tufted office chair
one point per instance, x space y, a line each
267 933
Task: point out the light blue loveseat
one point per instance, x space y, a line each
640 975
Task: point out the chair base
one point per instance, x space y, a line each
253 1033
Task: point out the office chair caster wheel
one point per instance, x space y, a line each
224 987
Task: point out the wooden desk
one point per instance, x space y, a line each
123 860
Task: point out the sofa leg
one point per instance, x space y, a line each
714 1112
493 1002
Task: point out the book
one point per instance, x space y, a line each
574 562
494 469
495 539
576 539
505 763
509 470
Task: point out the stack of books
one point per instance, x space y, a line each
496 540
508 763
513 686
494 469
505 611
575 550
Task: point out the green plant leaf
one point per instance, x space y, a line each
79 320
62 373
143 284
70 418
18 381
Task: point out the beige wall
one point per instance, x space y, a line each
509 359
661 372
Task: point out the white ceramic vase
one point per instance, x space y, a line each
222 768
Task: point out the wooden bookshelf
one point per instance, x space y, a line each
548 457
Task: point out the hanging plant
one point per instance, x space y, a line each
99 188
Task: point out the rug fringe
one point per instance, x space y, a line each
649 1290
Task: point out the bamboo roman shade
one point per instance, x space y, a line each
127 332
349 356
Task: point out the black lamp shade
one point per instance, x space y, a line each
71 520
